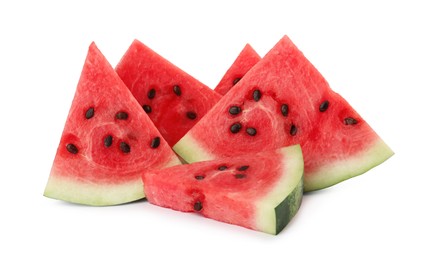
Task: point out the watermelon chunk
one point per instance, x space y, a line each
246 59
284 100
174 100
107 141
260 191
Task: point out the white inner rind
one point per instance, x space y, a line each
292 173
92 193
190 150
338 171
96 194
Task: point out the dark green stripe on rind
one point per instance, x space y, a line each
285 211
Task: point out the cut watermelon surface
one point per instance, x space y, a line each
246 59
284 100
174 100
107 141
260 191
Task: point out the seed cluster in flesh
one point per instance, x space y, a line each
176 90
237 173
108 139
235 111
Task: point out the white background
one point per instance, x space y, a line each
375 53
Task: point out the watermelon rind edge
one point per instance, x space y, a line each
190 150
353 166
93 194
277 208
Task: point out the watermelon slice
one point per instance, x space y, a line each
107 141
284 100
174 100
260 191
246 59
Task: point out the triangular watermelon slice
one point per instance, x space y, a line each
174 100
284 100
260 191
107 141
246 59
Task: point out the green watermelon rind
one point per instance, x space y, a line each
92 194
353 166
281 204
288 208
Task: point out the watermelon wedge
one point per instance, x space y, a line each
107 141
284 100
174 100
260 191
246 59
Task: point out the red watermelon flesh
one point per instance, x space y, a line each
284 100
246 59
107 141
174 100
260 191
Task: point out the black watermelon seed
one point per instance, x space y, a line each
177 90
147 108
121 115
284 109
90 113
236 80
324 106
350 121
199 177
125 148
155 142
151 93
293 130
234 110
191 115
197 206
108 141
243 168
251 131
71 148
240 176
257 95
235 128
222 167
